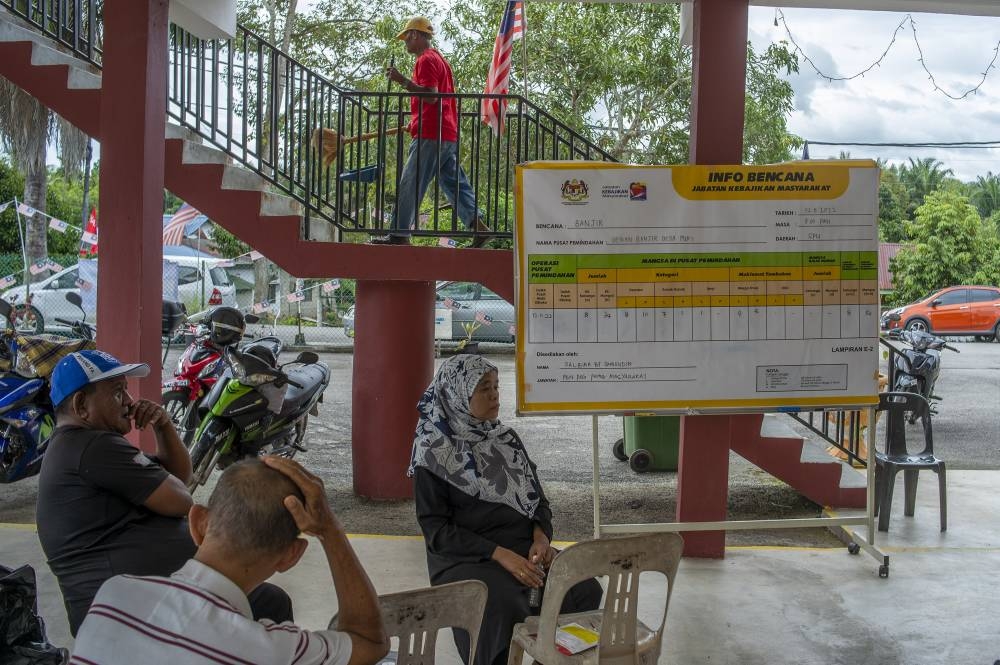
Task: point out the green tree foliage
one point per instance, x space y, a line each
949 245
921 177
892 201
986 194
633 96
228 245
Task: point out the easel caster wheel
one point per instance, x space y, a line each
883 570
853 548
618 450
640 460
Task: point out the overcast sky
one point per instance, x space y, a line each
894 102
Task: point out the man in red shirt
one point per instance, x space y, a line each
434 128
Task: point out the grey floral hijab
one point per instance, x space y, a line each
482 458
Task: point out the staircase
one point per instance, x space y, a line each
240 114
803 464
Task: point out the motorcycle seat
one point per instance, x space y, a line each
313 378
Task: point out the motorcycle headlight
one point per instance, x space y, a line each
209 369
252 379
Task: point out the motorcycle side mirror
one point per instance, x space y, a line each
306 358
251 318
75 298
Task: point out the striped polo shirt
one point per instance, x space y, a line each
196 616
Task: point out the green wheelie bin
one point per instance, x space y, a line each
650 442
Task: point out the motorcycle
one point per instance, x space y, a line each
198 369
27 418
916 368
256 408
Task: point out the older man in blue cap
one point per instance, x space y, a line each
104 507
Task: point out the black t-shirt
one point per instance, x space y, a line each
91 521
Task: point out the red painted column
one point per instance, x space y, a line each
393 364
717 109
133 117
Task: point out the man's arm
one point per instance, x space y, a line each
171 497
358 613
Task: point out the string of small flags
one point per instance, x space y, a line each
55 223
298 295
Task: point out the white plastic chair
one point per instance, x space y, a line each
416 616
624 640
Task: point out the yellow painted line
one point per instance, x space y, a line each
18 527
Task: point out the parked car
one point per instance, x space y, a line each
471 299
956 310
466 300
200 283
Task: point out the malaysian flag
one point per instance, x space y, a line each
173 231
511 29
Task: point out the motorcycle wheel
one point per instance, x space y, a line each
176 403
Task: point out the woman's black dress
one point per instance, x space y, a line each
461 532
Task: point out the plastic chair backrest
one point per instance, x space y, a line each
621 560
896 406
416 616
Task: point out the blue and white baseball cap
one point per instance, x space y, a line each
81 368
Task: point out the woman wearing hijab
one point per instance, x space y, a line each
480 504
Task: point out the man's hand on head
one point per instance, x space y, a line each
314 517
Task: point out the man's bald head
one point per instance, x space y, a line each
247 514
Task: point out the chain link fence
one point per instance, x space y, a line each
311 313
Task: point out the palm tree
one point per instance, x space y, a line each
922 177
986 194
26 128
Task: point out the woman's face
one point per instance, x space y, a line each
485 400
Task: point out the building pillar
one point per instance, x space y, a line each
393 365
717 115
133 117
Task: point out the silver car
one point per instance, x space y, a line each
466 301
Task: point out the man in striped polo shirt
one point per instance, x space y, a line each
200 614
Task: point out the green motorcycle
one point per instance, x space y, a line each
257 407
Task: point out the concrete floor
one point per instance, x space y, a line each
758 605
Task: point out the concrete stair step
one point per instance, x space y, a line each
82 75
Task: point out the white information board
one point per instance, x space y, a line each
696 288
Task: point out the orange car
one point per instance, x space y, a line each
956 310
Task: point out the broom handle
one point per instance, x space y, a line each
369 136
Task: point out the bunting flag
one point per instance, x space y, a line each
53 266
83 284
4 206
449 303
484 318
58 225
254 255
512 330
9 280
260 307
26 209
296 296
173 230
38 267
88 239
498 78
331 286
447 242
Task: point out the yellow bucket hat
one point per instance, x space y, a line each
418 23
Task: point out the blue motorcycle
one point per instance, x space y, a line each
26 415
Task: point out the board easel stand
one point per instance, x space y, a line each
855 541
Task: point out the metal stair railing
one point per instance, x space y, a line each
260 107
75 24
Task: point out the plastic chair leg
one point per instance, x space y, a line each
515 655
943 496
885 505
910 477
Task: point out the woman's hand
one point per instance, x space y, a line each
524 571
541 552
